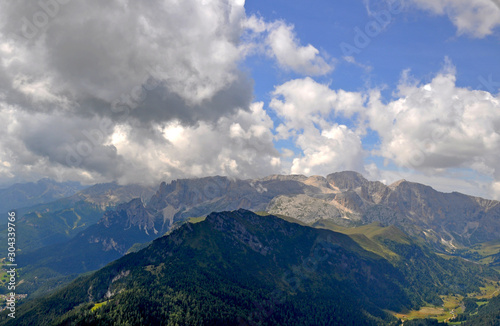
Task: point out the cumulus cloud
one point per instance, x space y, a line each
36 145
300 99
121 90
477 18
84 54
278 40
239 145
436 126
428 131
335 149
43 145
286 49
306 107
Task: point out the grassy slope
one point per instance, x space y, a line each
370 236
215 269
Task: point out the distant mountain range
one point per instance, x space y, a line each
58 221
43 191
445 221
239 268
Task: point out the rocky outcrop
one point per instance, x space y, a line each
111 194
308 209
347 180
447 220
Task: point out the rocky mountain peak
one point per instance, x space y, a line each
345 198
319 182
282 177
396 184
111 194
131 214
347 180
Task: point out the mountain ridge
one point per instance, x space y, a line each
241 268
21 195
447 222
247 253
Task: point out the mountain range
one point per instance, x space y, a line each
58 221
239 268
22 195
411 227
448 221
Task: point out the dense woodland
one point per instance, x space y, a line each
484 315
238 268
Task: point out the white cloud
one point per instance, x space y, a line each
495 190
438 126
335 149
280 42
124 89
128 91
477 18
289 54
84 52
32 147
299 100
239 145
36 145
305 107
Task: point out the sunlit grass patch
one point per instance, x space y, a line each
99 305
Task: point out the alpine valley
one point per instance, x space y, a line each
280 250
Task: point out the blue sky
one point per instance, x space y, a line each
150 91
411 39
414 39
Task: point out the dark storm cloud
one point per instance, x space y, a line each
99 90
102 52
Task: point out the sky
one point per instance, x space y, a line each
150 91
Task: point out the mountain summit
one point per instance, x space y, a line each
234 268
240 268
447 221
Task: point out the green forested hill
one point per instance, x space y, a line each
239 268
21 195
233 268
484 315
428 274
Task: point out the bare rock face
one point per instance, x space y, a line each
457 219
351 201
307 209
320 183
130 215
347 180
448 220
111 194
